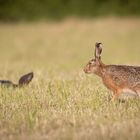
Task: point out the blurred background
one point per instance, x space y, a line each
59 35
18 10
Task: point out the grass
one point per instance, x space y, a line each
62 102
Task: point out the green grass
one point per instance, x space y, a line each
62 102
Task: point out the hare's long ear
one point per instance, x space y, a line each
98 50
26 79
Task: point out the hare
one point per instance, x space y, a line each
24 80
117 78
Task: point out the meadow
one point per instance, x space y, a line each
62 102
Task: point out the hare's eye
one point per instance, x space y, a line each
90 63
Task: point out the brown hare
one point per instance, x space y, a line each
117 78
24 80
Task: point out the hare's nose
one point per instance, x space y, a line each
85 69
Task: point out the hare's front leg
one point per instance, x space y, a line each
137 90
116 95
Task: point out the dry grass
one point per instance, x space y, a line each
62 102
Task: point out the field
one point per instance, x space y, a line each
62 102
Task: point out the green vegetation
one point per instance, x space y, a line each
20 10
62 102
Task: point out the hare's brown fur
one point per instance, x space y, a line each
117 78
